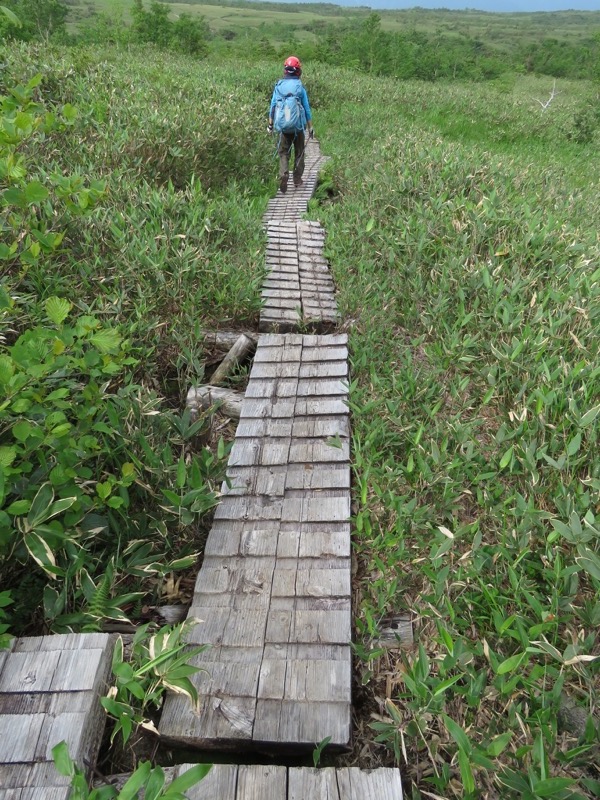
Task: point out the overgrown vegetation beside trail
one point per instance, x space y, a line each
130 219
462 230
463 239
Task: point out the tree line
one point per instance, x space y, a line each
361 43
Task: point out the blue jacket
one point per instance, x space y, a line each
286 85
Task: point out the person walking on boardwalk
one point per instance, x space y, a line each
289 115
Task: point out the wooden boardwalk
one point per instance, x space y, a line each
298 290
273 594
274 589
230 782
49 691
294 203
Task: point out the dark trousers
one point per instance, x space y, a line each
286 142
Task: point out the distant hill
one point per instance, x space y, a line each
493 6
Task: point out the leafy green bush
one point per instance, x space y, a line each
104 483
146 779
466 255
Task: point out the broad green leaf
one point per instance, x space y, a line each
7 456
551 787
57 309
563 529
466 773
11 16
441 688
40 552
70 113
181 473
62 760
499 743
457 733
134 784
14 197
589 561
22 430
59 506
183 563
506 458
589 416
574 445
155 784
511 664
19 507
106 341
6 300
41 505
35 192
32 83
7 369
190 778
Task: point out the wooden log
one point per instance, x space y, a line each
242 348
202 397
224 340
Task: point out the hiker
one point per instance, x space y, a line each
290 114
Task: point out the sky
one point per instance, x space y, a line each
480 5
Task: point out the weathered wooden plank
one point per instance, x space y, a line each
232 627
234 507
394 632
310 406
217 722
313 540
236 575
271 407
44 793
329 340
308 625
44 703
67 727
307 450
285 369
310 577
264 427
379 784
321 387
256 480
282 388
61 642
304 680
50 694
317 476
318 506
29 671
219 784
261 782
324 369
258 450
243 537
19 736
321 426
278 353
302 723
19 776
74 673
231 672
320 784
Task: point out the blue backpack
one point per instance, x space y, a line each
289 115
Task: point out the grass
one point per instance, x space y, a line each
174 245
505 31
462 232
464 247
